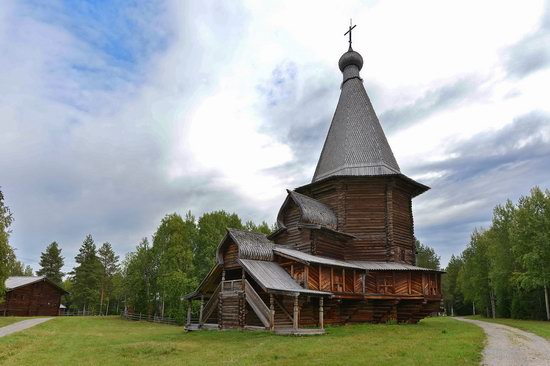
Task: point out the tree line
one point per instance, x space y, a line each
151 279
505 269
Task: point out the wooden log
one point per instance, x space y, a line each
296 313
272 311
201 320
189 303
321 314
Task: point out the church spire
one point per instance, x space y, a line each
356 144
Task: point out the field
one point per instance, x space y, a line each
113 341
541 328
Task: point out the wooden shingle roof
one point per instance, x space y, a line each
356 144
251 245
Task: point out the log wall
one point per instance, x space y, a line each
377 210
40 298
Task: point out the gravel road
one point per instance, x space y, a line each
511 346
22 325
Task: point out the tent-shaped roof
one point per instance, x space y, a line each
355 144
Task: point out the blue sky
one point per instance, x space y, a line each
116 113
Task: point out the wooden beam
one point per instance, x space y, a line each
344 279
331 278
306 276
189 304
320 278
201 310
272 311
423 284
321 314
410 283
296 313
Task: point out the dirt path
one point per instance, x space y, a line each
511 346
22 325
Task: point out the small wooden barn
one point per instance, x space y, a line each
30 296
344 250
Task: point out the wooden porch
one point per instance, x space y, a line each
237 305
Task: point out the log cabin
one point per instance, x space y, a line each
31 296
344 250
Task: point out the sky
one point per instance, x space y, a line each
116 113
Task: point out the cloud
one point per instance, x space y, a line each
89 107
483 171
436 99
531 53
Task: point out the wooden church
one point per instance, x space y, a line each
344 250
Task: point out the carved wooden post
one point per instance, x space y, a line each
201 320
321 314
296 312
189 302
272 308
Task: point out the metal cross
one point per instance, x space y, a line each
349 31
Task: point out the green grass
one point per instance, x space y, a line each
541 328
112 341
10 320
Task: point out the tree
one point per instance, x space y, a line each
19 268
109 267
426 257
139 281
51 263
212 227
499 249
531 242
452 296
474 278
263 228
87 275
173 262
7 255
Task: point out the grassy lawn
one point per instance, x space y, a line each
10 320
541 328
112 341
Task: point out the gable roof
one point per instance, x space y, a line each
312 211
251 245
14 282
356 144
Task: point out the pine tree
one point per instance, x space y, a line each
87 275
426 257
109 267
51 263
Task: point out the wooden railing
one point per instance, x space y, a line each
233 285
212 304
257 304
